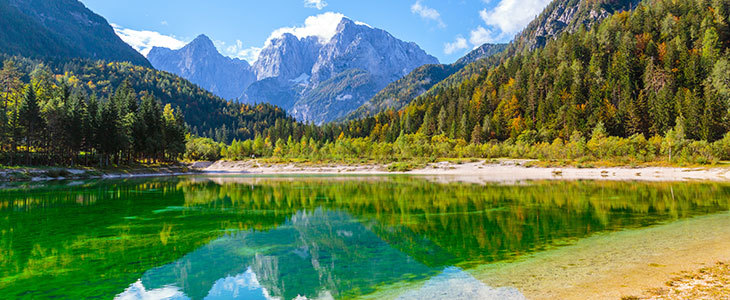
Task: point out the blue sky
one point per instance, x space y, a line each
447 29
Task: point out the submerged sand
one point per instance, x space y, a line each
628 264
477 172
609 265
618 264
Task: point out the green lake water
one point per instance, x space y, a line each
313 237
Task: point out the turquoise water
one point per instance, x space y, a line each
313 237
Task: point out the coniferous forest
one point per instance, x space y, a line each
641 85
648 84
638 72
49 122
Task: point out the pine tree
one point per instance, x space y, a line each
442 121
31 121
464 128
476 134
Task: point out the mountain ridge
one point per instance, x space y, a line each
586 13
291 71
400 93
62 29
211 72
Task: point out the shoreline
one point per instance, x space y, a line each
474 172
478 172
624 264
640 262
33 174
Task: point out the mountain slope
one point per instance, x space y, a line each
559 17
206 114
661 70
60 29
200 62
568 16
401 92
353 66
481 52
317 80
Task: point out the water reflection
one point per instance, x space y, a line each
322 253
247 238
454 283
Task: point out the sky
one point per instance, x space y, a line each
446 29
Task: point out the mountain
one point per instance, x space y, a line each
481 52
657 71
316 80
207 114
287 57
60 29
200 62
51 24
320 81
559 17
568 16
353 66
401 92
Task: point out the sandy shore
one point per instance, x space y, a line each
30 174
476 172
620 264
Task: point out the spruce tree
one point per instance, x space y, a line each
30 119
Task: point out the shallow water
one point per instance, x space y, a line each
313 237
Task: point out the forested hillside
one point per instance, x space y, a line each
401 92
207 114
46 104
51 120
60 29
559 17
640 84
637 73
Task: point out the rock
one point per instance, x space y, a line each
202 64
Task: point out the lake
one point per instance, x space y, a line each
240 237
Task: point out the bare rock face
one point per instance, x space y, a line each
569 16
352 67
201 63
287 57
320 81
315 80
373 50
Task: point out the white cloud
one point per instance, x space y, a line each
502 22
318 4
459 44
143 40
427 13
250 54
323 26
511 16
480 36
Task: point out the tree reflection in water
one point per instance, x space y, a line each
313 237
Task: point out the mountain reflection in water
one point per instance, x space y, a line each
319 255
317 237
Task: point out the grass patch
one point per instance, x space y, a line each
405 166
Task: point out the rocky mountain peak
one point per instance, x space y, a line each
202 42
346 24
287 57
315 78
201 63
